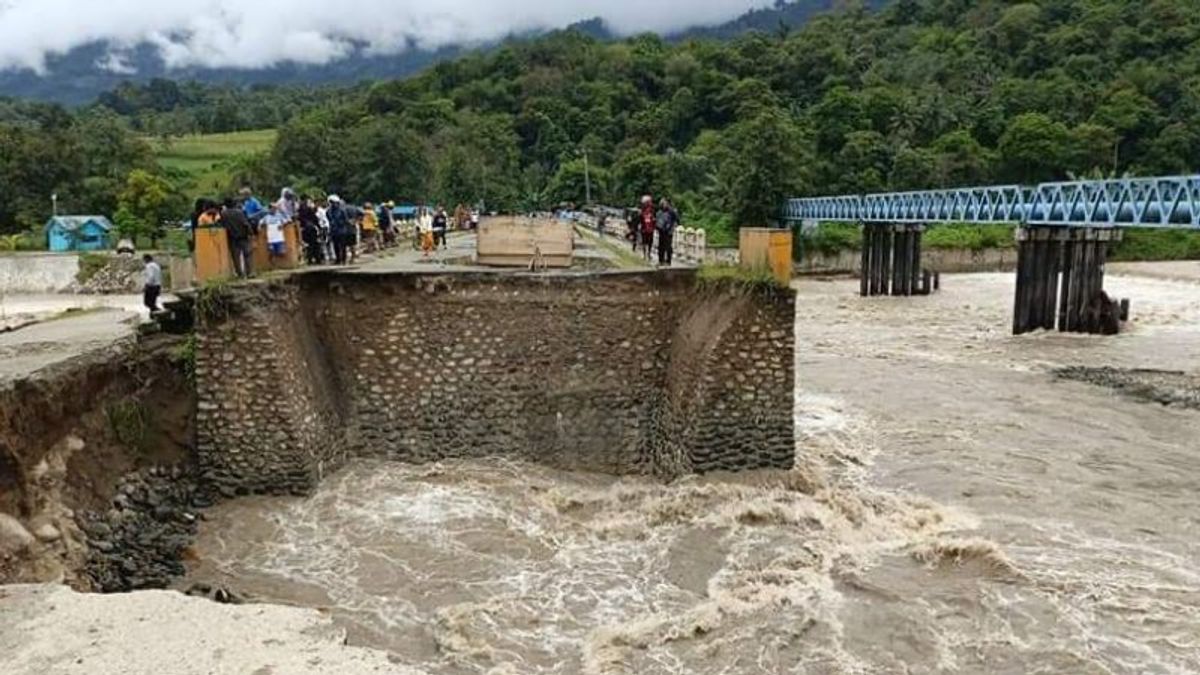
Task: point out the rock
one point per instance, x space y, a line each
97 529
14 538
47 533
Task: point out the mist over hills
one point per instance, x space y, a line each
83 73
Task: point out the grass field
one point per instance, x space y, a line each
203 162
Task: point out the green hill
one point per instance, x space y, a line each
202 165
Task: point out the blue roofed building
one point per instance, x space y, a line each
78 233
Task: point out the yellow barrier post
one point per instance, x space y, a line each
212 257
760 247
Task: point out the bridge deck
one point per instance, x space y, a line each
1162 202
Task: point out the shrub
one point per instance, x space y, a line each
128 421
186 356
214 300
1157 245
735 276
90 264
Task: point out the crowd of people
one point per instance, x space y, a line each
331 230
649 226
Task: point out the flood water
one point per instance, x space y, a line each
955 508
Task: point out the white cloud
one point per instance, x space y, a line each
256 33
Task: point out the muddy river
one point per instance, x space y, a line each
955 508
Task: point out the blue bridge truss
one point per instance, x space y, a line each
1165 202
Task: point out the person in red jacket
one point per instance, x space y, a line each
649 222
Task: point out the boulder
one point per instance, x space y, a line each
14 538
47 533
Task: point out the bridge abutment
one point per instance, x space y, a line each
1060 281
891 260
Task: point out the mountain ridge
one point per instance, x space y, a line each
78 77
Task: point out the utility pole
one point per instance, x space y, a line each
587 177
54 204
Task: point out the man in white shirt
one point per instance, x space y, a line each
275 220
151 283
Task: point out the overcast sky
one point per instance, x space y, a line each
254 33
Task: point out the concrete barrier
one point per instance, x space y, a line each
37 272
518 242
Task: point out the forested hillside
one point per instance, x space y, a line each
923 93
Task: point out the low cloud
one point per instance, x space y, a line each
258 33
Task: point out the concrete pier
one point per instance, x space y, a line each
891 260
1060 281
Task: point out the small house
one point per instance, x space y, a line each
78 233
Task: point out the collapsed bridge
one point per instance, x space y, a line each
1064 232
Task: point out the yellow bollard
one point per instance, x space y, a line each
212 257
760 247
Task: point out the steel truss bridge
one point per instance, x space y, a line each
1163 202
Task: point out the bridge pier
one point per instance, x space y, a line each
891 261
1060 281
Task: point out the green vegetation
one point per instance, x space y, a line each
1157 245
831 238
185 355
166 109
214 300
971 237
735 276
24 241
920 94
90 264
205 164
924 93
128 421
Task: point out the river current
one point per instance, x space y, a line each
954 508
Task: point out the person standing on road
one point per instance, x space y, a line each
276 242
241 234
649 223
340 229
632 222
152 281
370 228
425 234
326 237
419 226
666 222
310 231
440 223
387 223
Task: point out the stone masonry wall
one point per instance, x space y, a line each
616 372
268 418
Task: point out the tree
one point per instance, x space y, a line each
1034 148
961 160
569 184
146 204
458 180
768 154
